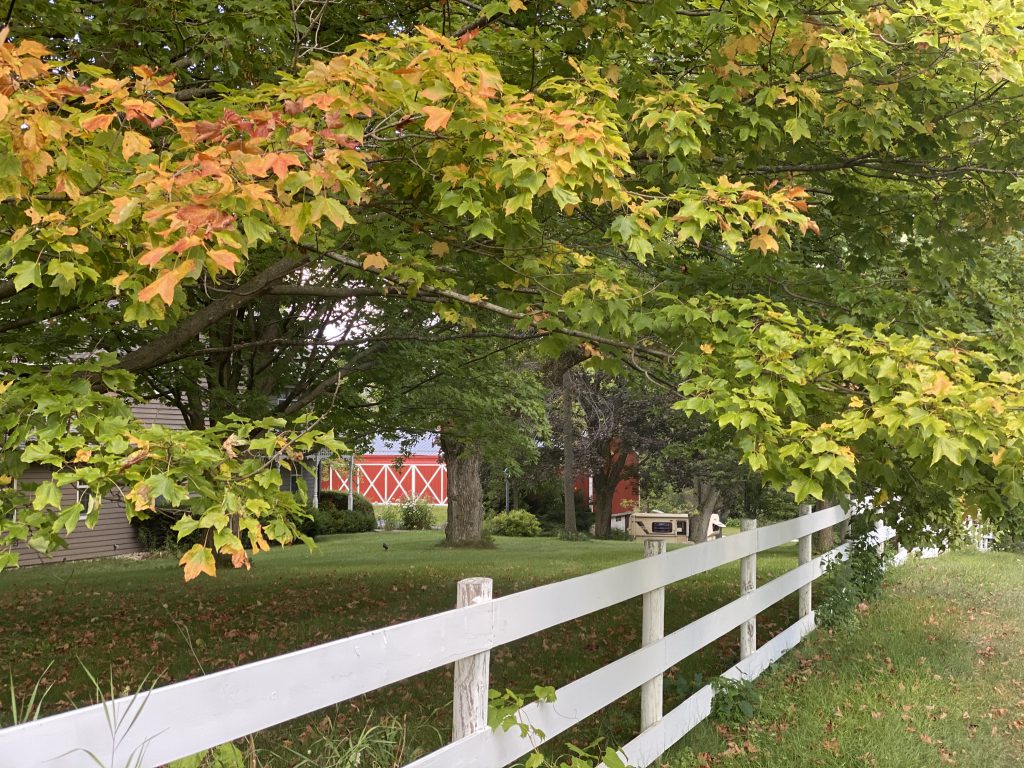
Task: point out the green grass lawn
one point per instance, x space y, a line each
932 675
129 619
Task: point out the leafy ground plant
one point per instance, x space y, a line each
503 712
735 700
851 581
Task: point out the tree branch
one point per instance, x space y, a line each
156 351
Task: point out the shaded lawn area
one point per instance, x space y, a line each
932 675
132 619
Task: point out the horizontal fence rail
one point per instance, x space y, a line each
184 718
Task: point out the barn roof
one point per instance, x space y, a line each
413 445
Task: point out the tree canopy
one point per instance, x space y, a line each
798 215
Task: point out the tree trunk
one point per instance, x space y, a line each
822 541
603 496
707 499
465 491
568 457
605 483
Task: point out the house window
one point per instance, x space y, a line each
15 486
295 480
83 496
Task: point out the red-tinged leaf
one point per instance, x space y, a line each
224 259
240 559
467 36
198 560
281 162
437 118
134 144
97 122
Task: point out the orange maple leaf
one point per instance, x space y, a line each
437 118
97 122
166 282
280 162
374 261
224 259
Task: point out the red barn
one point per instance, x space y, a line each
386 475
626 495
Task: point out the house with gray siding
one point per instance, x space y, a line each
112 534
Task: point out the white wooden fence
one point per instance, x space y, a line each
181 719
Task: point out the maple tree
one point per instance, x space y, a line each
798 216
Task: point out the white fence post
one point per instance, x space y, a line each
651 692
472 674
804 557
748 583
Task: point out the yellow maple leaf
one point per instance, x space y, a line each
940 385
707 349
997 457
134 144
578 8
838 65
856 402
198 560
516 5
764 242
439 248
374 260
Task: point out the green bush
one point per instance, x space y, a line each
155 534
850 581
516 522
416 514
391 516
339 500
544 501
333 516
